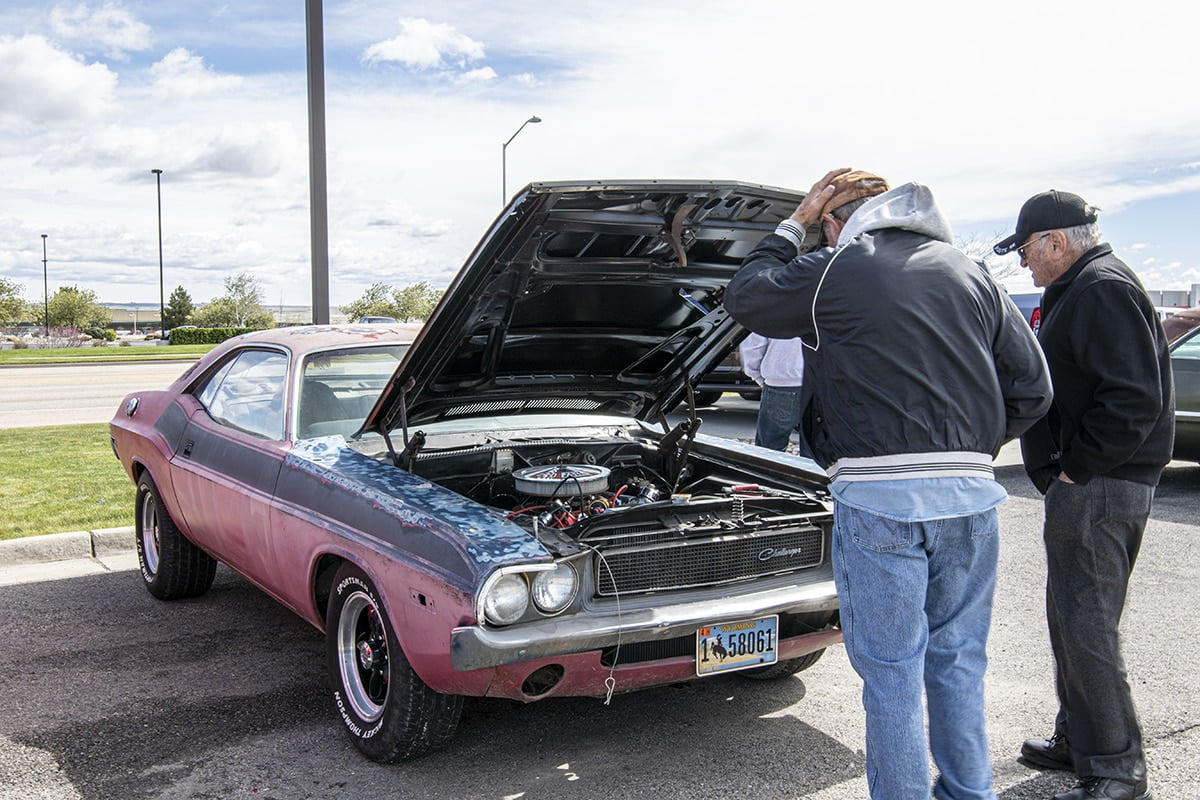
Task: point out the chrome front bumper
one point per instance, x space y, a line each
474 647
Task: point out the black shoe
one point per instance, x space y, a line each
1107 789
1052 753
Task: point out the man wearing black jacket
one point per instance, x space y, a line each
1096 456
923 369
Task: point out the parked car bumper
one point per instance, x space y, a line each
586 674
473 647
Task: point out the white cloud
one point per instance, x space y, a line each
252 151
417 110
39 84
482 75
182 75
423 45
109 28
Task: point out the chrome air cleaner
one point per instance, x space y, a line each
563 480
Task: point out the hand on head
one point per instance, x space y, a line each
809 210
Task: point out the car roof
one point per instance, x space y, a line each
308 338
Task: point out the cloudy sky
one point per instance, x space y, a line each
987 103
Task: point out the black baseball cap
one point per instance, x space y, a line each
1047 211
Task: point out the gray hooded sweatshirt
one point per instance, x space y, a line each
919 364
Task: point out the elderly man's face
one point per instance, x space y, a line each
1043 254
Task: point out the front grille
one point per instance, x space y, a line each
720 558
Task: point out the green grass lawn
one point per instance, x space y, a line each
63 478
78 355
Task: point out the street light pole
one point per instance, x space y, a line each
504 160
45 286
162 322
318 192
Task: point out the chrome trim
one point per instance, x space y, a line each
475 647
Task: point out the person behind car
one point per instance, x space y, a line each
777 365
920 370
1096 457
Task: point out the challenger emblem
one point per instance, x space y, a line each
768 553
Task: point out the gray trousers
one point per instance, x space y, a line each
1092 534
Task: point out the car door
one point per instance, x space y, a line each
1185 364
228 460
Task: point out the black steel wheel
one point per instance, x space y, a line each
385 708
172 567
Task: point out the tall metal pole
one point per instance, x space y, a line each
504 160
318 200
45 287
162 314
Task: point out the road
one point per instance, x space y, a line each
69 394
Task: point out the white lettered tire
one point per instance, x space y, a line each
172 567
385 708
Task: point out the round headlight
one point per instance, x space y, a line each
554 589
506 601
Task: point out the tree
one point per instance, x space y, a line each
179 309
214 314
240 307
999 267
414 302
245 295
72 307
375 302
12 304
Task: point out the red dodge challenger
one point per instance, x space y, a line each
497 505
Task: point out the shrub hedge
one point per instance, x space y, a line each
206 335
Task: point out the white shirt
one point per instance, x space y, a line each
772 362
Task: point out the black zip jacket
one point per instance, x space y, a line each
920 364
1114 400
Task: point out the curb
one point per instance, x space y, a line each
63 546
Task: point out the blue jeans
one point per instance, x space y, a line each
780 411
916 607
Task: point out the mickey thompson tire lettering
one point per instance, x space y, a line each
385 708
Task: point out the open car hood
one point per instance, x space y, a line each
597 297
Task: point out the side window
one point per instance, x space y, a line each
1189 348
338 388
249 393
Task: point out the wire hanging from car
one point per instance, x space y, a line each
611 682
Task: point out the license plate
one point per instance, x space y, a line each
736 645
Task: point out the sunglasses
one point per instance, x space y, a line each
1021 250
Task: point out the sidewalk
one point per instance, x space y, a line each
67 555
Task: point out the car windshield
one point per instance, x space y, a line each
338 388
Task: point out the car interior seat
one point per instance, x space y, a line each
318 404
